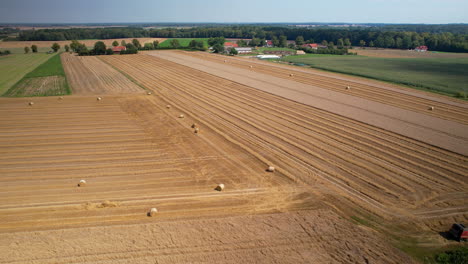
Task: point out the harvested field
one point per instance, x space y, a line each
396 53
89 75
378 92
340 190
39 86
87 42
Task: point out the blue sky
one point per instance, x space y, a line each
115 11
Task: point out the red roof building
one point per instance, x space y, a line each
421 48
269 43
230 45
118 49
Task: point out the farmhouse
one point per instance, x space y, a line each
118 49
421 48
313 46
228 45
268 43
243 50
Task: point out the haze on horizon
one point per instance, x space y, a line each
240 11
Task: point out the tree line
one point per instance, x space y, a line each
382 37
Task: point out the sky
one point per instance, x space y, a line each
238 11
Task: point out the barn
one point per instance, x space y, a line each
421 49
118 49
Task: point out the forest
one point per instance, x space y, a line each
450 38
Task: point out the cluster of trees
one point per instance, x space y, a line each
437 37
5 52
217 43
55 47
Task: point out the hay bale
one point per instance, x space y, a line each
60 98
82 183
168 106
348 87
251 66
225 60
31 103
431 108
291 75
193 125
153 212
148 93
181 116
99 98
196 130
220 187
271 169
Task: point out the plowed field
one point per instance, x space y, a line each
89 75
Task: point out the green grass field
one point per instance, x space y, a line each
13 67
48 79
184 42
447 76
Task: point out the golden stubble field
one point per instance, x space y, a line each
136 152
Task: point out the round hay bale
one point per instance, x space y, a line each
82 183
196 130
348 87
291 75
225 60
193 125
251 66
153 212
168 106
271 169
220 187
31 103
99 98
148 93
60 98
431 108
181 116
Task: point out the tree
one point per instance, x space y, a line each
218 48
67 48
26 50
241 43
325 43
115 43
233 51
299 40
347 42
99 48
331 45
362 43
371 44
109 51
55 47
175 43
155 44
283 41
136 43
123 43
255 42
148 46
275 41
34 48
218 40
340 43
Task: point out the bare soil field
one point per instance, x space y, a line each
62 43
89 75
396 53
340 192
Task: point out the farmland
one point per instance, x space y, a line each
45 80
357 170
441 75
23 63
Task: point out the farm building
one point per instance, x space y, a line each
268 43
243 50
230 45
314 46
118 49
268 57
421 48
